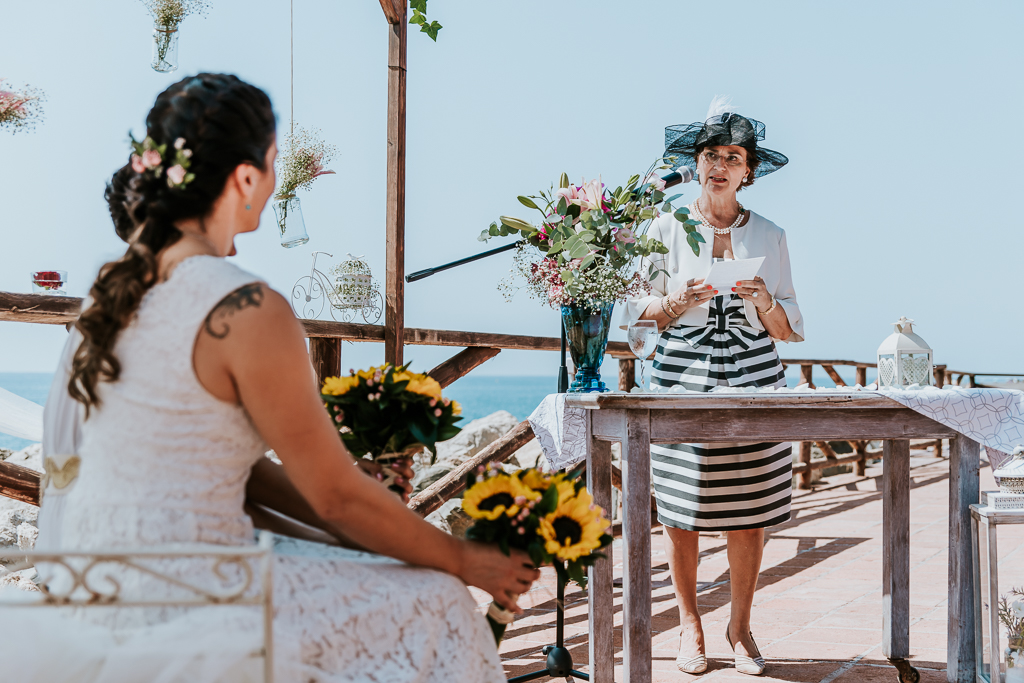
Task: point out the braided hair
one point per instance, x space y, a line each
225 122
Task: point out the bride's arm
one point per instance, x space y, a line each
252 350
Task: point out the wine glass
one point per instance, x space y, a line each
642 337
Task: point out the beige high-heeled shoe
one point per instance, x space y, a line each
752 666
693 665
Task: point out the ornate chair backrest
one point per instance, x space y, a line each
96 579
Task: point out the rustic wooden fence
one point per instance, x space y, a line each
325 346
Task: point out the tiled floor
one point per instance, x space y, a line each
817 610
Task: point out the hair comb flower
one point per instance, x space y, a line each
149 157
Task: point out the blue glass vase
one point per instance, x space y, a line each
586 331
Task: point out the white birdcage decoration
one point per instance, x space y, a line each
904 359
353 283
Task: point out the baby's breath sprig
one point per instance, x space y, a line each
168 14
20 110
302 162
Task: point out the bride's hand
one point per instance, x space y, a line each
401 467
504 577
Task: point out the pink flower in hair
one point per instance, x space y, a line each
176 174
137 164
151 158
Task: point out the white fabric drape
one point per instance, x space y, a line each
20 417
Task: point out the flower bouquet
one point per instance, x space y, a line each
49 281
551 517
589 238
1011 614
389 412
20 109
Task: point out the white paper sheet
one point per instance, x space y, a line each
724 275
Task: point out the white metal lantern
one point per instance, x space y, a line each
904 358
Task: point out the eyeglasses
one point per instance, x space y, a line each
712 158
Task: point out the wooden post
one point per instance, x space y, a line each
861 448
636 547
600 590
394 299
805 375
627 374
939 372
896 549
971 383
862 376
325 355
963 491
805 457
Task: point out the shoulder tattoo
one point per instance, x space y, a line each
249 296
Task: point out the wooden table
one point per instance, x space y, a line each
638 420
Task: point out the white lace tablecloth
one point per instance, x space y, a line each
992 417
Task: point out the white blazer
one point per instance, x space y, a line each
759 237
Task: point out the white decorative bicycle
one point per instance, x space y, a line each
353 292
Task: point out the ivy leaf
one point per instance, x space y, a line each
418 5
417 18
431 30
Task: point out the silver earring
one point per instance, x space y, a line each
247 207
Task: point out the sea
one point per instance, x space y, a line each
479 395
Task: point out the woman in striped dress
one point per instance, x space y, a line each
720 338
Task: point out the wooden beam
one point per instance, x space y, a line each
435 495
391 10
19 483
806 374
862 376
325 355
462 363
39 308
394 287
831 371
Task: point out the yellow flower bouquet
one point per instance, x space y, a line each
550 516
389 412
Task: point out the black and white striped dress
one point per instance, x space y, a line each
720 486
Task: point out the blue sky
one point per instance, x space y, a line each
901 121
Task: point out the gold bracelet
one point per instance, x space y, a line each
661 302
772 307
666 302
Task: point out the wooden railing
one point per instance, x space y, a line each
326 337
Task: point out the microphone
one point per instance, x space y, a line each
683 175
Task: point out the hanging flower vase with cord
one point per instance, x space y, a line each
20 110
301 163
167 17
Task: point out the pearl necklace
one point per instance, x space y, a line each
718 231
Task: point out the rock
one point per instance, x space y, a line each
473 438
18 528
451 518
530 455
27 535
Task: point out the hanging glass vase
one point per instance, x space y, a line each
586 331
289 222
165 49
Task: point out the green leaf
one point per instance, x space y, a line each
587 261
417 18
517 224
418 5
680 216
562 205
527 202
699 237
675 197
431 30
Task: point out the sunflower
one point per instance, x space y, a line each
337 386
491 498
456 408
424 385
574 528
540 482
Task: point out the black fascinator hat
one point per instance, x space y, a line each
722 127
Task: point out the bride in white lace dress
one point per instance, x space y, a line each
191 368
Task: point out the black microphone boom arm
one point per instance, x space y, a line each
420 274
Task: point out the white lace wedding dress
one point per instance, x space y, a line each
163 463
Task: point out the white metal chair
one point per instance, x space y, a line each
85 581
